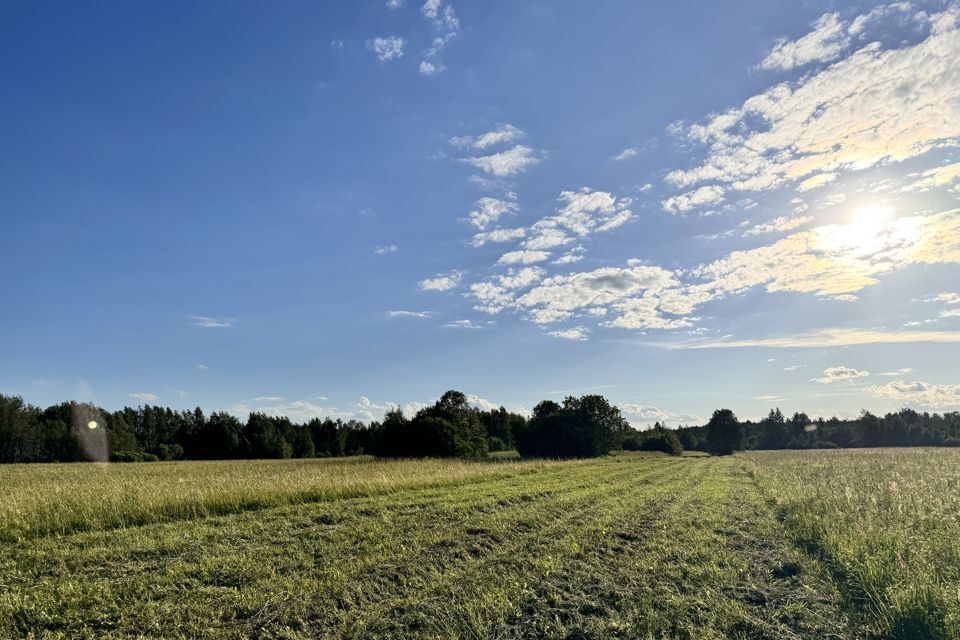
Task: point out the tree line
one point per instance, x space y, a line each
72 432
903 428
577 427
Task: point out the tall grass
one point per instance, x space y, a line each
50 499
887 520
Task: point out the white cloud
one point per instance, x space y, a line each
684 202
559 297
874 106
568 258
488 210
389 48
581 213
144 397
901 14
431 8
498 292
430 68
647 414
381 251
482 403
207 322
463 324
501 135
933 178
575 333
445 25
838 259
828 338
922 394
833 261
201 367
506 163
626 154
946 297
442 281
826 42
523 257
898 372
840 374
816 181
497 236
548 238
409 314
776 225
394 4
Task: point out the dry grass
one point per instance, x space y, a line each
888 520
45 499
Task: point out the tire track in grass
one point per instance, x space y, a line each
679 570
466 598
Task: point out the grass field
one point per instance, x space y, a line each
887 523
761 545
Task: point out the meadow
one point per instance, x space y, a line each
885 521
835 544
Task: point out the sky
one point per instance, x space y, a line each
327 208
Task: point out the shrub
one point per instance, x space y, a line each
662 440
132 456
496 444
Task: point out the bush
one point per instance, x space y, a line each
132 456
632 442
662 440
496 444
170 452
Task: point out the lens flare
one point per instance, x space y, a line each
92 424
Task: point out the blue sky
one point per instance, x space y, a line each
326 208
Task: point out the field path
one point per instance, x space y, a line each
628 547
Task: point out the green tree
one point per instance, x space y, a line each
724 433
582 427
264 439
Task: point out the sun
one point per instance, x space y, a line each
872 217
864 235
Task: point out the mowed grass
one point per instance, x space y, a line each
888 523
621 547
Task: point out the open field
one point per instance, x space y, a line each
765 545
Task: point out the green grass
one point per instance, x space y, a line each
44 499
886 520
634 546
760 545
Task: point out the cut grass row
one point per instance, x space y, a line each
634 547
